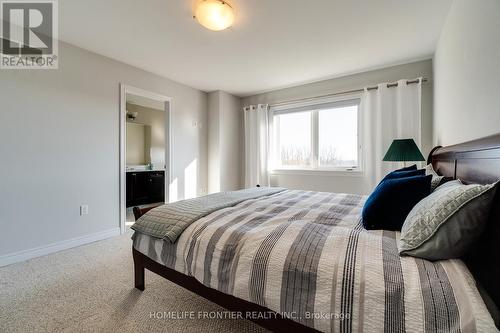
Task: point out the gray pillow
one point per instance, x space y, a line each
444 224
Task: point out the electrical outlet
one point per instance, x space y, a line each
84 210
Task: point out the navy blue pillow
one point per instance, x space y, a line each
410 168
389 204
402 174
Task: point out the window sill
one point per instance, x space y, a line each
318 172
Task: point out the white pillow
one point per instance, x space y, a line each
436 179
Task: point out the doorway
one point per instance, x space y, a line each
145 157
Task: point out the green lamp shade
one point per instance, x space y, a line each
403 150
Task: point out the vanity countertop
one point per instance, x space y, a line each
142 170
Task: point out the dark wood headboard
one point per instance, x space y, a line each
475 161
478 162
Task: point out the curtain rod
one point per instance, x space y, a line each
389 85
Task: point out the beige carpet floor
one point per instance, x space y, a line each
90 289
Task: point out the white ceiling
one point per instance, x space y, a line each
273 43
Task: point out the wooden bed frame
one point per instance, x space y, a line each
273 321
478 162
472 162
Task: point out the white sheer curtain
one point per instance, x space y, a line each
257 145
388 114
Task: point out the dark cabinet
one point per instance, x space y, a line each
156 187
145 187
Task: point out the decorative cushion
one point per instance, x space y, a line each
409 168
436 179
404 173
392 200
447 222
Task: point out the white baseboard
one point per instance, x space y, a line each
12 258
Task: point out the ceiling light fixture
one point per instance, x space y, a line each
214 14
132 115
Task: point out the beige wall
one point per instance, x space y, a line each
66 148
214 174
350 184
467 73
225 137
136 145
154 120
231 138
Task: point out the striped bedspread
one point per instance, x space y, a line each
169 221
305 254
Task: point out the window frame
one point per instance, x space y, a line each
314 106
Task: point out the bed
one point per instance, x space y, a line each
301 260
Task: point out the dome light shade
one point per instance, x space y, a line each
214 14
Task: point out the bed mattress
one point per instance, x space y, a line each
306 255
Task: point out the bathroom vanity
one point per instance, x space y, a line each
145 187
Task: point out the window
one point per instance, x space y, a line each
294 136
317 137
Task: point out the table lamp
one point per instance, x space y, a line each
403 150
